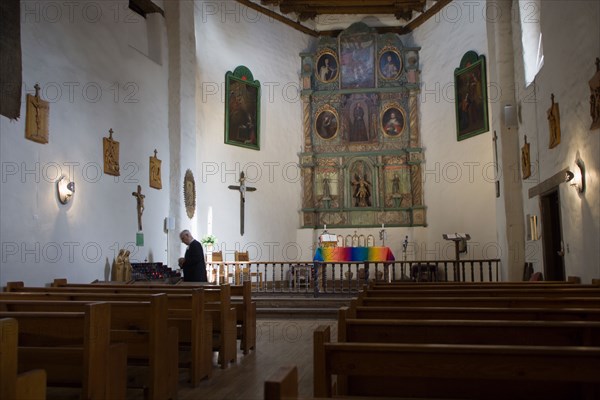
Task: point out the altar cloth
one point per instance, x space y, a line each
339 254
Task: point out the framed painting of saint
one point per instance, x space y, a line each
242 109
327 68
390 64
392 120
470 86
326 123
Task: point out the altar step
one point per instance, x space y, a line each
299 307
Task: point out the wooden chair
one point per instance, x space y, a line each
217 257
244 271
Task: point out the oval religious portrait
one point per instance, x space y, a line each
327 67
326 124
392 121
390 64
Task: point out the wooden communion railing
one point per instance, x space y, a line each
348 277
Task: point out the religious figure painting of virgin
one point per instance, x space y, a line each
392 120
390 64
357 55
358 121
327 66
471 96
242 109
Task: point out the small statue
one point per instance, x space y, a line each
118 267
140 205
128 269
326 189
362 191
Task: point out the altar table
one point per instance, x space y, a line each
340 254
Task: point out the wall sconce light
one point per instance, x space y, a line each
579 176
577 179
65 189
510 116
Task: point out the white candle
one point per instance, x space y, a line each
325 227
382 226
209 221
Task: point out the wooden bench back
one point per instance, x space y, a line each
455 371
477 313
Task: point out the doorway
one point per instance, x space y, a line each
552 241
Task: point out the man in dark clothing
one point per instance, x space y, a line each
193 265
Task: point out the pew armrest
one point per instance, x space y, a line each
31 385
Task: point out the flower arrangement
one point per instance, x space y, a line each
209 239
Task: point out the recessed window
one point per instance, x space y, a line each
531 38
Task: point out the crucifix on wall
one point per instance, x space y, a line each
242 189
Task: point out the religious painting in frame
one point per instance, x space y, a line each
155 171
357 59
327 66
36 117
393 120
242 109
390 63
359 117
326 122
470 87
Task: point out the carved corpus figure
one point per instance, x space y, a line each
36 117
140 205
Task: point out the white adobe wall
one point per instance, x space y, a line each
228 35
568 66
81 54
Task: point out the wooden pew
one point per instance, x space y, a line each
455 371
74 349
141 325
245 310
477 285
504 292
13 385
507 302
218 306
283 384
186 312
476 313
544 333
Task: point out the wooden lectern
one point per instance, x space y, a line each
460 246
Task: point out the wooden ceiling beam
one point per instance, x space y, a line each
271 14
354 3
437 7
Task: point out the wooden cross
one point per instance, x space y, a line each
242 189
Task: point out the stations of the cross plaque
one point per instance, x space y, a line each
242 188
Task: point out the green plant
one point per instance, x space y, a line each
209 239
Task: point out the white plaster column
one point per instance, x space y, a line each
182 115
509 206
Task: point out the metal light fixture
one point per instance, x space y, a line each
65 189
578 181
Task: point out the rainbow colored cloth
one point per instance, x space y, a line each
337 254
